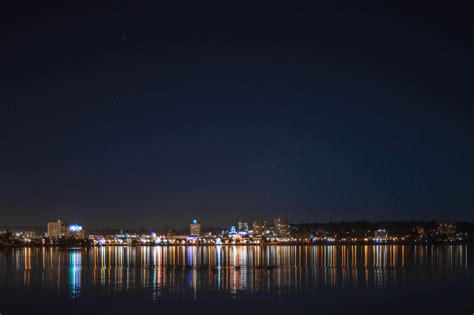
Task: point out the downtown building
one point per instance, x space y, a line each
242 226
57 229
280 226
76 231
258 228
195 229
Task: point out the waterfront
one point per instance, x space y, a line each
365 279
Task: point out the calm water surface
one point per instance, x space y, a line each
433 279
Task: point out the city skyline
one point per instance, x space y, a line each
237 157
216 223
279 231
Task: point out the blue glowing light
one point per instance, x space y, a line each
195 221
74 228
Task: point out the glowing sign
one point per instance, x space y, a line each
74 228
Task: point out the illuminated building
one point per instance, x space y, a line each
177 239
56 229
243 226
75 230
195 228
258 227
446 228
381 235
280 227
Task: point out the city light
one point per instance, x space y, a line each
74 228
60 234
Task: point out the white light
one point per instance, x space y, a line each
74 228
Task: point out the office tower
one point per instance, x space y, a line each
243 226
280 227
258 227
195 228
56 229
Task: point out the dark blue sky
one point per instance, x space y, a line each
131 115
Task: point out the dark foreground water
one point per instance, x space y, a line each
433 279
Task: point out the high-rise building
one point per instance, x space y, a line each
258 227
195 228
280 227
57 229
243 226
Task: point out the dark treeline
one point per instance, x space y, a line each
362 227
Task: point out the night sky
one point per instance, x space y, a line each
133 115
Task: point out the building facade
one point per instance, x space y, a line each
195 228
57 229
258 227
75 230
280 227
243 226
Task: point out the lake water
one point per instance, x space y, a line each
386 279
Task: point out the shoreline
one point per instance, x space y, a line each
6 248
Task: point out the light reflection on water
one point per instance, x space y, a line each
232 269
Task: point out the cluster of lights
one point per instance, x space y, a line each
75 228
